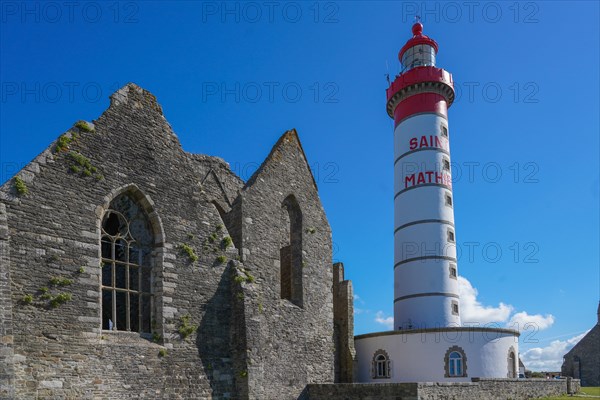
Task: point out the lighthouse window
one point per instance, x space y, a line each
446 164
455 307
381 367
455 363
444 131
448 200
453 273
451 235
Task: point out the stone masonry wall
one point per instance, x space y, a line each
494 389
362 391
343 311
249 343
583 360
7 372
54 232
484 389
288 346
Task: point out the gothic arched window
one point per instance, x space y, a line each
127 260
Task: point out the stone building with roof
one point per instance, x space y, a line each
130 267
583 360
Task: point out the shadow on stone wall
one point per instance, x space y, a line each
213 338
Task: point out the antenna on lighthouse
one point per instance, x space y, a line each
387 74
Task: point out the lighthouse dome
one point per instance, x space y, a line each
419 51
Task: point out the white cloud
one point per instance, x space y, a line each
380 318
549 358
358 301
523 321
473 311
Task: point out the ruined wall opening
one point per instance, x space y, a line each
290 253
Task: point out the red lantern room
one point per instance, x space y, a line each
419 51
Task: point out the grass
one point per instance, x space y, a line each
585 393
186 329
60 281
226 242
591 391
21 186
59 299
221 259
64 141
187 249
84 126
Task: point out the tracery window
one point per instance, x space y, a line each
127 279
381 365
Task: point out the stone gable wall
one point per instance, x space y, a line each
587 368
7 372
249 343
54 232
343 310
288 346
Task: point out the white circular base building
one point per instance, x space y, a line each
437 355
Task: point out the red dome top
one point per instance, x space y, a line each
418 38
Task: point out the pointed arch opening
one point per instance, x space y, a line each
131 238
290 253
512 363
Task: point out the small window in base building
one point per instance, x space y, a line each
455 363
381 366
455 307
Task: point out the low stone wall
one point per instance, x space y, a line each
361 391
479 389
492 389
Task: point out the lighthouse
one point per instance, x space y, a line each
425 267
428 342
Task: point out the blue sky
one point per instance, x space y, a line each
232 77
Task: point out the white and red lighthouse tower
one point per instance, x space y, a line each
428 343
425 268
